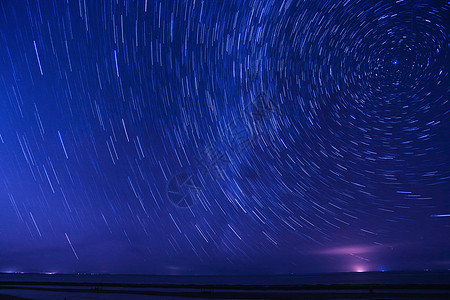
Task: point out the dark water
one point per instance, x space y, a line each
315 286
410 277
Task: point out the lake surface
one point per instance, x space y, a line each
409 277
386 285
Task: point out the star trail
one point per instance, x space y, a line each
224 137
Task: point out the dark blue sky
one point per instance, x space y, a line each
224 137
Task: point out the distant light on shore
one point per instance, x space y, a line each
360 269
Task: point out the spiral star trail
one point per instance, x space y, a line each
224 137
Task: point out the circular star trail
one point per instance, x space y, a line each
196 133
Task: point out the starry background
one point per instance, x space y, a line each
224 137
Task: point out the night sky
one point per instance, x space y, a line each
224 137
